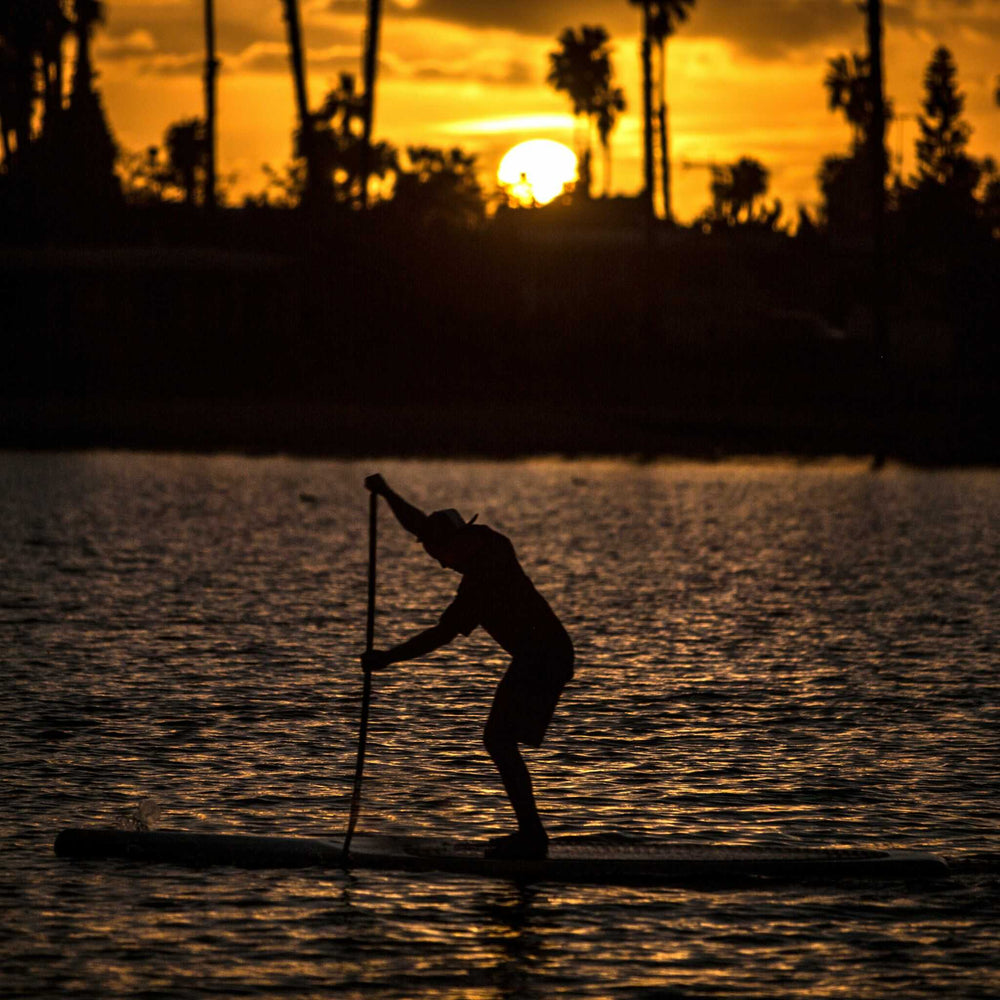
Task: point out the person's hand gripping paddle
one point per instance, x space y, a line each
366 693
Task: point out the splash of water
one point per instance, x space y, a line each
142 816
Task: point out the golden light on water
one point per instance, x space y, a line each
537 171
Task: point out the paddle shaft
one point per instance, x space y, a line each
366 692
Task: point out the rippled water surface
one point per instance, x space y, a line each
767 653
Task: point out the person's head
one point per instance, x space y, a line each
446 538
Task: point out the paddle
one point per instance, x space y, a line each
366 693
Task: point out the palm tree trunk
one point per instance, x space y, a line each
306 144
590 156
664 163
83 73
584 158
211 68
647 113
668 212
877 161
20 101
371 68
52 83
298 63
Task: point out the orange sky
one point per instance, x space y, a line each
745 78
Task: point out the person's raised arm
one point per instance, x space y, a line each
410 517
420 645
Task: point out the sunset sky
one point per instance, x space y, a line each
745 78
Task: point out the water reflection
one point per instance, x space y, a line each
511 944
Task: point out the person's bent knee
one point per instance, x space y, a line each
499 744
492 738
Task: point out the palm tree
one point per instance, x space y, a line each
22 41
31 68
85 132
185 143
848 84
852 88
295 54
666 17
314 188
345 159
659 21
8 104
749 182
582 68
735 188
211 69
88 13
55 26
610 105
370 68
67 148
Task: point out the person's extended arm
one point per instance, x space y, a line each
420 645
410 517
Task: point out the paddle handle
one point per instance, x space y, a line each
372 566
366 691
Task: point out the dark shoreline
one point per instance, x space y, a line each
488 430
526 340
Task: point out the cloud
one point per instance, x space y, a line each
509 73
775 29
164 37
761 29
272 57
136 44
174 65
493 44
766 28
524 16
541 123
179 27
263 57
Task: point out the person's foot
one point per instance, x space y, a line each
519 846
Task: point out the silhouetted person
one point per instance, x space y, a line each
494 593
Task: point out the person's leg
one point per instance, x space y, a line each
522 707
506 756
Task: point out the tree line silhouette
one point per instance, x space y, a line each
58 152
58 149
367 275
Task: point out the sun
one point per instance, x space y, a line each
536 171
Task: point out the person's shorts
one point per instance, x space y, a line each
526 698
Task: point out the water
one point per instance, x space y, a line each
767 653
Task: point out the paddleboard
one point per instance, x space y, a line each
570 859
